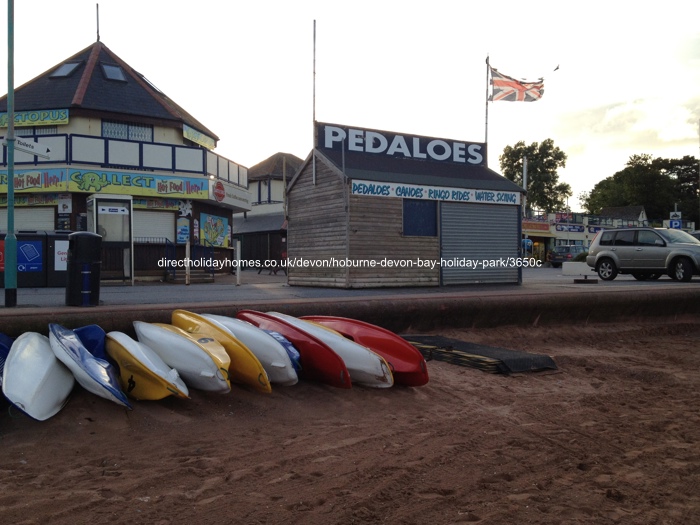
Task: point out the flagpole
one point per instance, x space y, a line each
486 131
313 160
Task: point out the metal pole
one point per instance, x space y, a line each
187 261
525 185
238 262
10 238
486 123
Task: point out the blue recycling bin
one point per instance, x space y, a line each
83 269
31 259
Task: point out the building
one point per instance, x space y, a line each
263 230
621 216
373 208
125 161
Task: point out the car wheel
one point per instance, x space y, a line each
606 269
682 270
556 265
641 276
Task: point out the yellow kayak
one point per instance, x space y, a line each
143 375
245 367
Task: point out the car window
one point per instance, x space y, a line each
678 236
561 249
625 238
606 239
649 238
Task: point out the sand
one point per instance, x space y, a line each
611 437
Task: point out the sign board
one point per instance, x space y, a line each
675 224
60 256
29 256
374 145
675 215
33 148
44 117
435 193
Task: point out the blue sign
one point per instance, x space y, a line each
29 256
570 228
674 224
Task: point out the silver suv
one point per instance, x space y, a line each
646 253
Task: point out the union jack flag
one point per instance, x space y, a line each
507 88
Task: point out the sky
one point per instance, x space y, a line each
628 80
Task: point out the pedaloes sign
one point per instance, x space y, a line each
385 144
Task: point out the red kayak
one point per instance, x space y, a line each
318 361
406 362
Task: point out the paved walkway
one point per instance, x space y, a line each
545 296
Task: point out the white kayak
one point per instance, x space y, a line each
271 354
96 375
142 373
34 380
365 367
188 356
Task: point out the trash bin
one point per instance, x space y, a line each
83 272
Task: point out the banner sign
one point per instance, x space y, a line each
198 137
90 181
374 146
570 228
44 117
436 193
215 230
535 226
41 199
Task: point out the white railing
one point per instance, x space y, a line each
130 154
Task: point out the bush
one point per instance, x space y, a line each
581 257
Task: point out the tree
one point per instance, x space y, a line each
544 191
685 174
657 184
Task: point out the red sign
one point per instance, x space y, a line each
533 225
219 191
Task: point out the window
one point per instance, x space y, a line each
648 238
113 72
606 239
625 238
112 129
36 130
419 218
65 70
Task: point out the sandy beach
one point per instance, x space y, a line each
610 437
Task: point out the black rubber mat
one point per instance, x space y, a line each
487 358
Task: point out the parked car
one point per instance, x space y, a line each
695 234
566 253
646 253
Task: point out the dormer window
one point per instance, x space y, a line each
65 70
113 72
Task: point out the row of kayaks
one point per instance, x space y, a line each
204 352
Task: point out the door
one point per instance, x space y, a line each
625 249
651 250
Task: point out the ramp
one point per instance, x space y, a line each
487 358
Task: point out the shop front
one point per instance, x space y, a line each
372 208
166 212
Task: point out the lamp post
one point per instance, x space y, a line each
10 238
